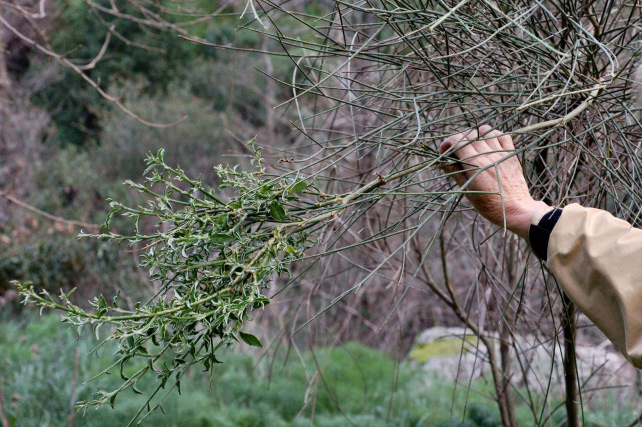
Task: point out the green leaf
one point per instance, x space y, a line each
289 249
265 189
210 360
250 339
136 390
277 212
122 367
221 238
298 187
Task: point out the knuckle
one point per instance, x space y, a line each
453 140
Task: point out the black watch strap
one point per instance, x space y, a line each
538 235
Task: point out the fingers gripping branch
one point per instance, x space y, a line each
492 175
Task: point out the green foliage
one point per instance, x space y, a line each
38 363
230 85
208 121
199 140
70 185
482 416
153 56
156 56
213 259
49 254
250 339
211 82
61 261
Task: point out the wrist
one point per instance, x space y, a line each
521 221
540 231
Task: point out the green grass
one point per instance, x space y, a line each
37 368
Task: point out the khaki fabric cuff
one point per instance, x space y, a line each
540 214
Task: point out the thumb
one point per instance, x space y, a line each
450 165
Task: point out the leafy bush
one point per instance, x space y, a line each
70 186
62 261
199 141
38 363
73 104
483 417
155 56
49 253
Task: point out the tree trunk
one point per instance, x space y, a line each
5 83
270 95
569 326
506 337
3 410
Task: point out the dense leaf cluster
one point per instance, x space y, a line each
211 260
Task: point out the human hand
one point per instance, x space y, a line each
502 173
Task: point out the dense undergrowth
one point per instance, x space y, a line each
365 387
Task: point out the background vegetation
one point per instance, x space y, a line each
43 362
413 77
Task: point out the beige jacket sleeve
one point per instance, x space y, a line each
597 260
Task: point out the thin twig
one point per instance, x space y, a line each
63 60
636 421
3 409
48 215
100 55
74 390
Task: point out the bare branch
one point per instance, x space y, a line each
100 55
48 215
